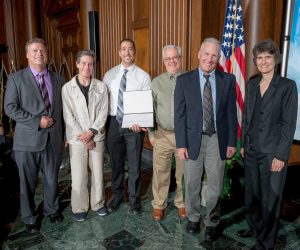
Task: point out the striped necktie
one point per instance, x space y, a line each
44 91
209 124
120 111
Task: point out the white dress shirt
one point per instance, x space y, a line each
137 79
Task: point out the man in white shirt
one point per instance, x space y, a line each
122 141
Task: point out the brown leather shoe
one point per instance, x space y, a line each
157 214
181 213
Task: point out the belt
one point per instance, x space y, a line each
203 133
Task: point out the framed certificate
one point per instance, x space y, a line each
138 108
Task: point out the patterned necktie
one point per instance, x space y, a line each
44 91
120 111
209 125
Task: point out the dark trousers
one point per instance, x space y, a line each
121 141
263 196
29 164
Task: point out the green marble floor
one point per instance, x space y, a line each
122 230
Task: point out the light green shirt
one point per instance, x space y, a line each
163 87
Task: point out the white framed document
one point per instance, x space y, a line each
138 108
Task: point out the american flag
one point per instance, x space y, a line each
233 52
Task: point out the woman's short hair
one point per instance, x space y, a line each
85 52
268 46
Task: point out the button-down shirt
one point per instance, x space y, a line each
47 80
137 79
163 87
212 80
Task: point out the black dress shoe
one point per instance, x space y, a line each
211 234
32 228
114 205
56 218
192 227
256 248
136 209
246 233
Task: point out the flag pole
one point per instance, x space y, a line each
286 36
233 43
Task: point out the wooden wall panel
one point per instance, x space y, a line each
143 52
258 26
141 10
206 19
112 23
168 25
138 20
4 56
15 32
63 44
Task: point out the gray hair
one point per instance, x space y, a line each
85 52
211 40
179 50
35 40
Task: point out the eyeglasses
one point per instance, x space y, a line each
170 59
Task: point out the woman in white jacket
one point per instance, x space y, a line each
85 107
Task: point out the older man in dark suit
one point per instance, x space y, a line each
206 131
33 100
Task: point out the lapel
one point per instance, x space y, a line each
195 92
253 93
55 90
271 90
195 87
92 98
219 88
29 78
79 97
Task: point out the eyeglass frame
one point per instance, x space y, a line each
174 58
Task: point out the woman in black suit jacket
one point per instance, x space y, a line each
269 123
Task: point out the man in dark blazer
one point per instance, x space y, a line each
206 133
33 100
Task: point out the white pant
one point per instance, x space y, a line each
80 159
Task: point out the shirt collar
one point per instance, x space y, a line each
36 73
130 68
211 74
173 75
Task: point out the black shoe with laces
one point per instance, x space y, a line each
56 217
114 204
192 227
32 228
246 233
211 234
135 209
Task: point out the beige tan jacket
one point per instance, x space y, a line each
78 116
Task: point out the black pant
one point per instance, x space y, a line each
29 164
121 141
263 196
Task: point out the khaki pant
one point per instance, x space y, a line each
164 148
81 159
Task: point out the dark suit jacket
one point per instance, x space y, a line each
188 112
23 103
278 116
